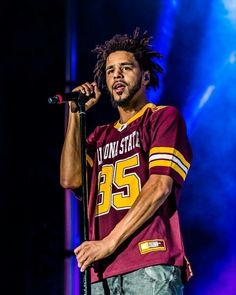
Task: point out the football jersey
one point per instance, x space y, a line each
123 156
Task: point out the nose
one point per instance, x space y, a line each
118 73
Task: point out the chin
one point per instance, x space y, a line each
121 102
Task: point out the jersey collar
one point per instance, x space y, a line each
119 126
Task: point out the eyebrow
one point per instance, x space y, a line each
121 64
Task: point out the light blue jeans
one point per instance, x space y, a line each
152 280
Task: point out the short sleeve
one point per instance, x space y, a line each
170 152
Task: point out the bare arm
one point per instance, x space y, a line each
70 165
151 197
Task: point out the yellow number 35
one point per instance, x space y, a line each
128 185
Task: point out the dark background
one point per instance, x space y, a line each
33 65
31 199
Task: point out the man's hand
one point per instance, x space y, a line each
87 89
91 251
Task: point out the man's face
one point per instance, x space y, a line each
123 77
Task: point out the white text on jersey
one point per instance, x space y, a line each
119 147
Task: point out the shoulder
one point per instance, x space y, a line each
159 112
166 110
101 131
101 128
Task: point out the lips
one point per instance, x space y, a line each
119 87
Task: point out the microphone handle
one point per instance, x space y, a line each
78 97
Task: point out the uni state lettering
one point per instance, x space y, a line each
119 147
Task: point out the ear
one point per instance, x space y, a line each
146 78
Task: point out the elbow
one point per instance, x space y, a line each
162 186
162 195
69 183
166 190
65 184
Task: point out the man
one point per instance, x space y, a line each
139 164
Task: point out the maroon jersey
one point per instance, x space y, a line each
153 141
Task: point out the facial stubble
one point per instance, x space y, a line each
125 101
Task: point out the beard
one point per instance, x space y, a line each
124 102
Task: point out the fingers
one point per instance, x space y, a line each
86 88
84 257
85 264
91 251
96 89
89 89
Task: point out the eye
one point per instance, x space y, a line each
110 71
126 68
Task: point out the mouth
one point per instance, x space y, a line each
119 87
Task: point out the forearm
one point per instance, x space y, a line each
70 164
152 196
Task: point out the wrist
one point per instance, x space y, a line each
111 243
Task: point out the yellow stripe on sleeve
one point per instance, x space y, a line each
170 150
168 163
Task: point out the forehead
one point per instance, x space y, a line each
120 56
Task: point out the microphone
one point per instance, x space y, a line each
78 97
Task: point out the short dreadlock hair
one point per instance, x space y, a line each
139 45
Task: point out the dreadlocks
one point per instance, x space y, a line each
137 44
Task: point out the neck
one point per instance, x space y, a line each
128 112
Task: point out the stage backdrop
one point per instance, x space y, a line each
198 41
